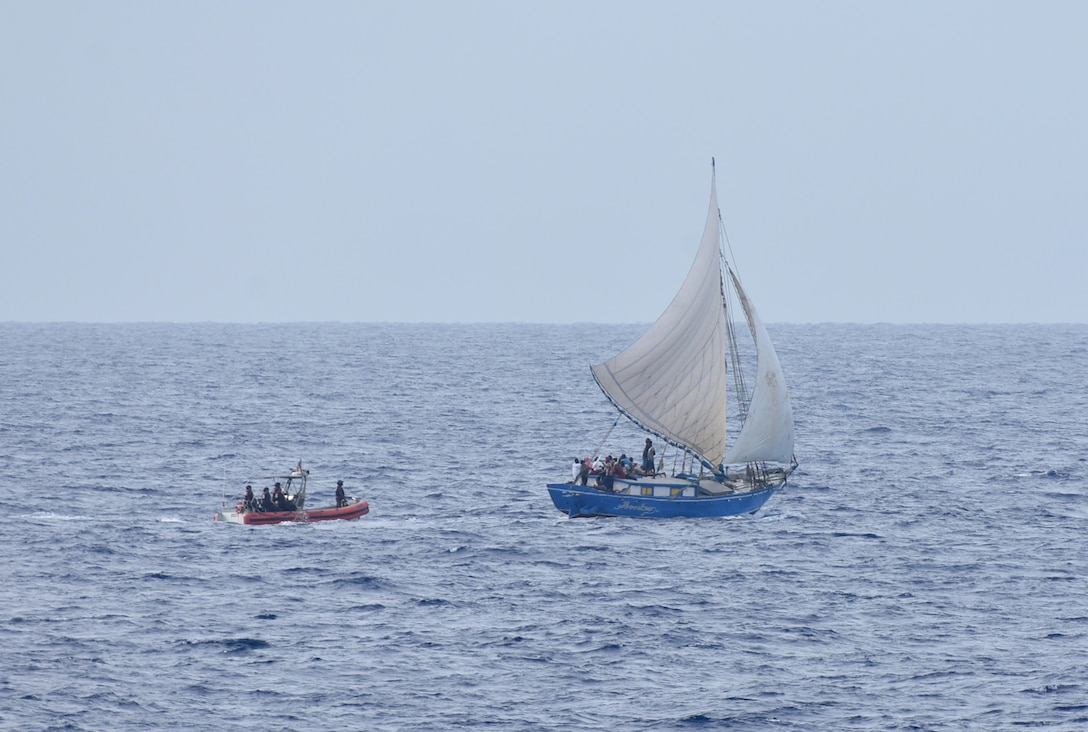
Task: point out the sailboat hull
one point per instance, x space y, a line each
583 501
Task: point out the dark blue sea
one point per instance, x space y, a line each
925 569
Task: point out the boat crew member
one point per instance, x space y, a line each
280 499
250 500
266 501
341 501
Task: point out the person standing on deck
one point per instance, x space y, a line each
648 453
341 500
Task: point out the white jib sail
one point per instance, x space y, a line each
767 433
672 381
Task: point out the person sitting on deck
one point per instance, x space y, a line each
341 500
266 501
249 501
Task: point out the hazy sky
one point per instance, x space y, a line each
467 161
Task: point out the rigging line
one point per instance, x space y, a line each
740 387
729 264
728 244
597 452
730 303
724 235
729 306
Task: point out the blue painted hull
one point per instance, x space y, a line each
577 500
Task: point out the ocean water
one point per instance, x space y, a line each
925 569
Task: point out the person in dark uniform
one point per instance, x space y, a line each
249 500
341 500
266 501
280 499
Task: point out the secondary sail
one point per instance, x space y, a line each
672 381
767 433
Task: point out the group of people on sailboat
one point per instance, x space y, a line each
605 469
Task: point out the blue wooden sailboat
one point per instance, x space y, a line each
674 383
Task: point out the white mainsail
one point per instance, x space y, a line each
673 380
